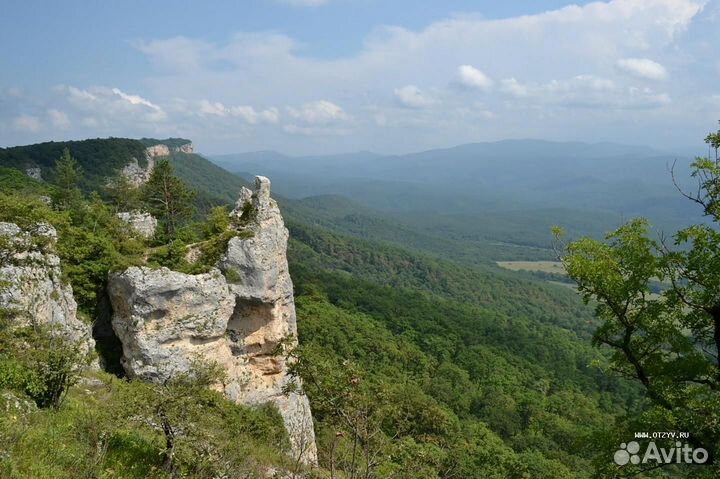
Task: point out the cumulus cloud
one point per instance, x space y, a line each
245 112
584 91
513 61
321 112
575 70
643 68
79 95
470 76
58 119
411 96
27 123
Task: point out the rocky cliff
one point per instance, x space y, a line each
235 315
141 222
157 150
136 174
31 287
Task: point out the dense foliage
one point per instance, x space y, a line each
517 397
668 342
169 142
98 158
416 364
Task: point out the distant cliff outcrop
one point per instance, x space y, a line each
236 315
138 175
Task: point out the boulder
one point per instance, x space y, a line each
143 223
32 290
163 317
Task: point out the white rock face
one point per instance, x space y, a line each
235 316
31 286
136 174
157 150
34 173
186 148
143 223
163 317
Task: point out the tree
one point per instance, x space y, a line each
123 195
168 197
66 175
39 361
669 342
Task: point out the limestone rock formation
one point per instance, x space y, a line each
157 150
31 285
236 315
136 174
163 318
143 223
186 148
34 173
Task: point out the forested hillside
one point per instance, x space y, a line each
417 361
98 158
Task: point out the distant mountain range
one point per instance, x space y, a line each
507 175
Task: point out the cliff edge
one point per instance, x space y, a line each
235 315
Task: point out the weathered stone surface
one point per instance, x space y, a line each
166 319
163 318
186 148
157 150
34 173
259 263
143 223
31 285
136 174
265 314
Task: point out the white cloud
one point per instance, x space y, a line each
548 74
212 108
321 112
28 123
246 113
643 68
79 95
584 91
137 100
104 110
58 119
411 96
513 87
472 77
252 116
564 58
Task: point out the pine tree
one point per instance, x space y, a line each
168 198
66 176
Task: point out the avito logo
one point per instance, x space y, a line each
680 454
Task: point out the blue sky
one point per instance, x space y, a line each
325 76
